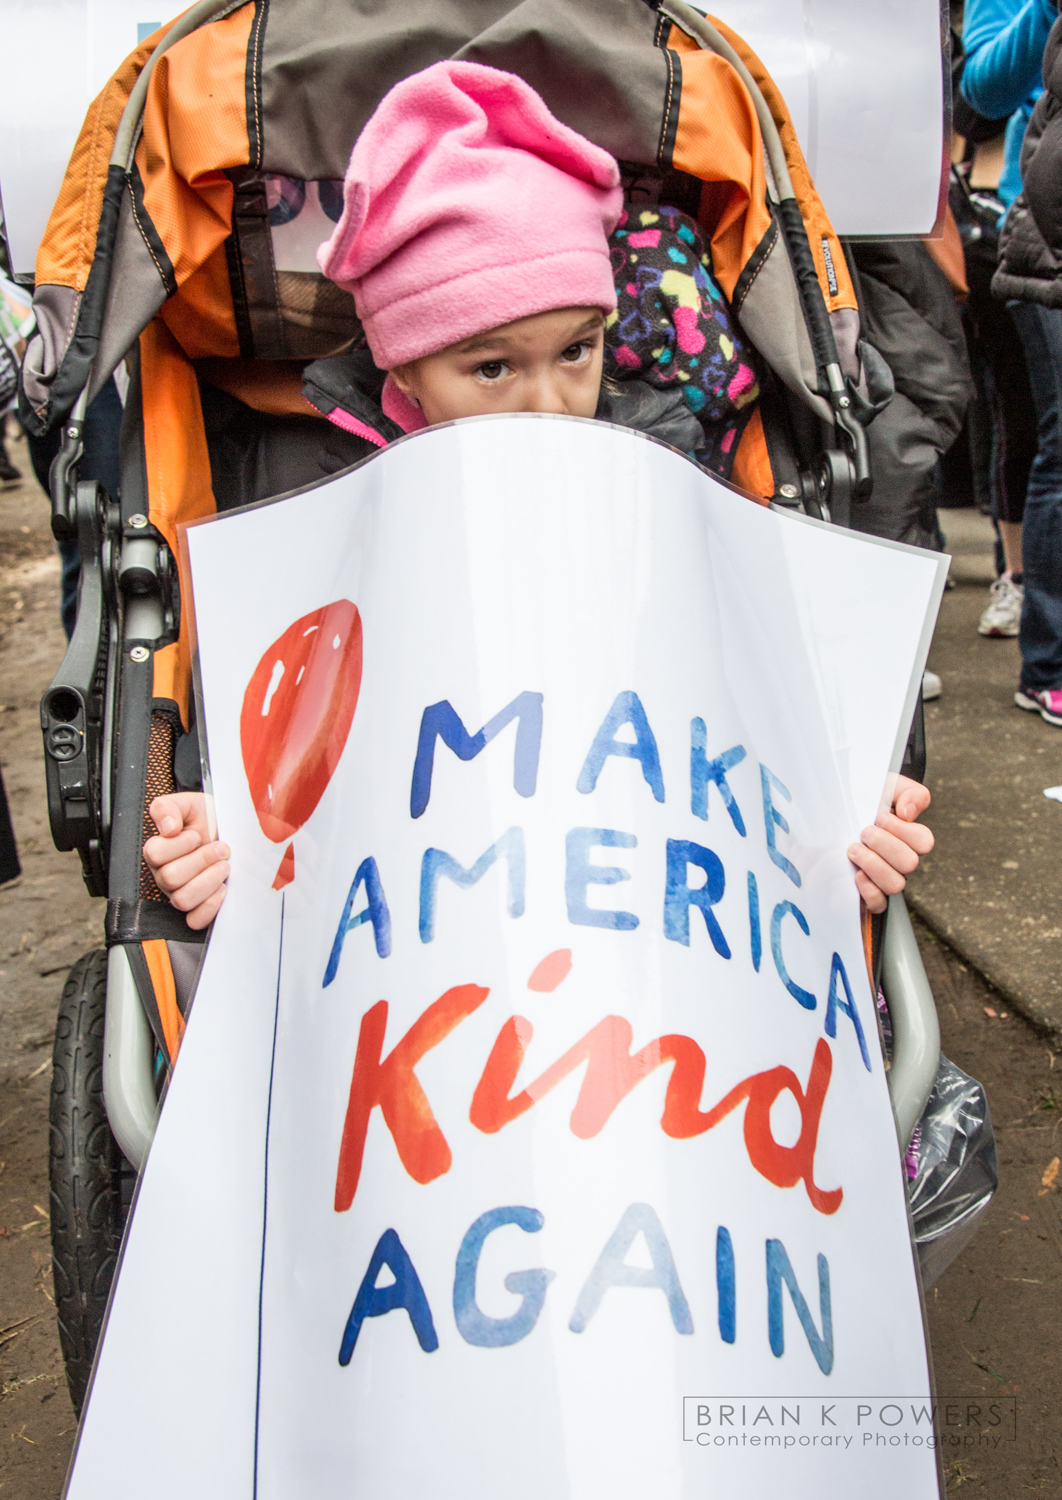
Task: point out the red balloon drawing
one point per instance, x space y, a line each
296 715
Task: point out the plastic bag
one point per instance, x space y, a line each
955 1169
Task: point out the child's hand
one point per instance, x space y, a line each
890 848
188 868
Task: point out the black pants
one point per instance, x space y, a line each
9 861
1041 540
999 367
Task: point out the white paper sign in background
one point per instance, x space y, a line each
57 55
864 86
863 83
541 1107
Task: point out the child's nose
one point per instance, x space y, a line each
545 395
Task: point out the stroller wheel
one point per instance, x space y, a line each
91 1182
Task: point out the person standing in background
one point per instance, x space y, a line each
1002 426
16 322
1004 42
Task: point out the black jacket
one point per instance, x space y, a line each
1030 268
909 316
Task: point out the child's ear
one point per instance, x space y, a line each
403 377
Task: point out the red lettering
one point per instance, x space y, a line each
392 1085
612 1071
786 1165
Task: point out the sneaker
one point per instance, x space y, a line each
932 687
1047 704
1003 615
8 472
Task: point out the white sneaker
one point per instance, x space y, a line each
932 687
1003 615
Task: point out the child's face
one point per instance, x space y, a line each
550 362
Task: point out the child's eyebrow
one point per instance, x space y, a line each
485 341
497 344
589 325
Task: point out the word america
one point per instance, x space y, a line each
441 722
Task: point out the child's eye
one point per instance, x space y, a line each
492 369
575 353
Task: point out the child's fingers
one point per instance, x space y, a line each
874 899
176 810
192 893
885 875
168 813
911 799
890 849
207 910
896 852
172 876
915 835
159 850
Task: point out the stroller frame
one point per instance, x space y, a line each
100 721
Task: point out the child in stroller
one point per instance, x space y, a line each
478 237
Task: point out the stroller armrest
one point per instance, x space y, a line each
915 1029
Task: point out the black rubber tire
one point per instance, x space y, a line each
87 1172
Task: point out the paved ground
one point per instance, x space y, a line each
994 887
996 1316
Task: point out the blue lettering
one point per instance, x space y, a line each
834 1003
579 873
376 912
779 1270
436 862
474 1326
773 819
439 721
725 1284
611 1270
803 997
679 897
375 1301
703 771
627 709
755 937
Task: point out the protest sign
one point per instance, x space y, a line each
869 96
58 54
530 1132
863 83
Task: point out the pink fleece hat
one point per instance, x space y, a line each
466 205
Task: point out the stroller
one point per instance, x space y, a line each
208 171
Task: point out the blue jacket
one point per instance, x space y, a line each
1004 43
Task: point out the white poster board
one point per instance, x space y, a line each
500 1157
862 82
864 85
57 55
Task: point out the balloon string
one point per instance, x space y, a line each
265 1195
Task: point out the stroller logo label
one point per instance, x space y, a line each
831 270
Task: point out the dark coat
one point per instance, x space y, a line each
1030 268
909 316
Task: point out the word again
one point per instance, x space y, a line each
611 1270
